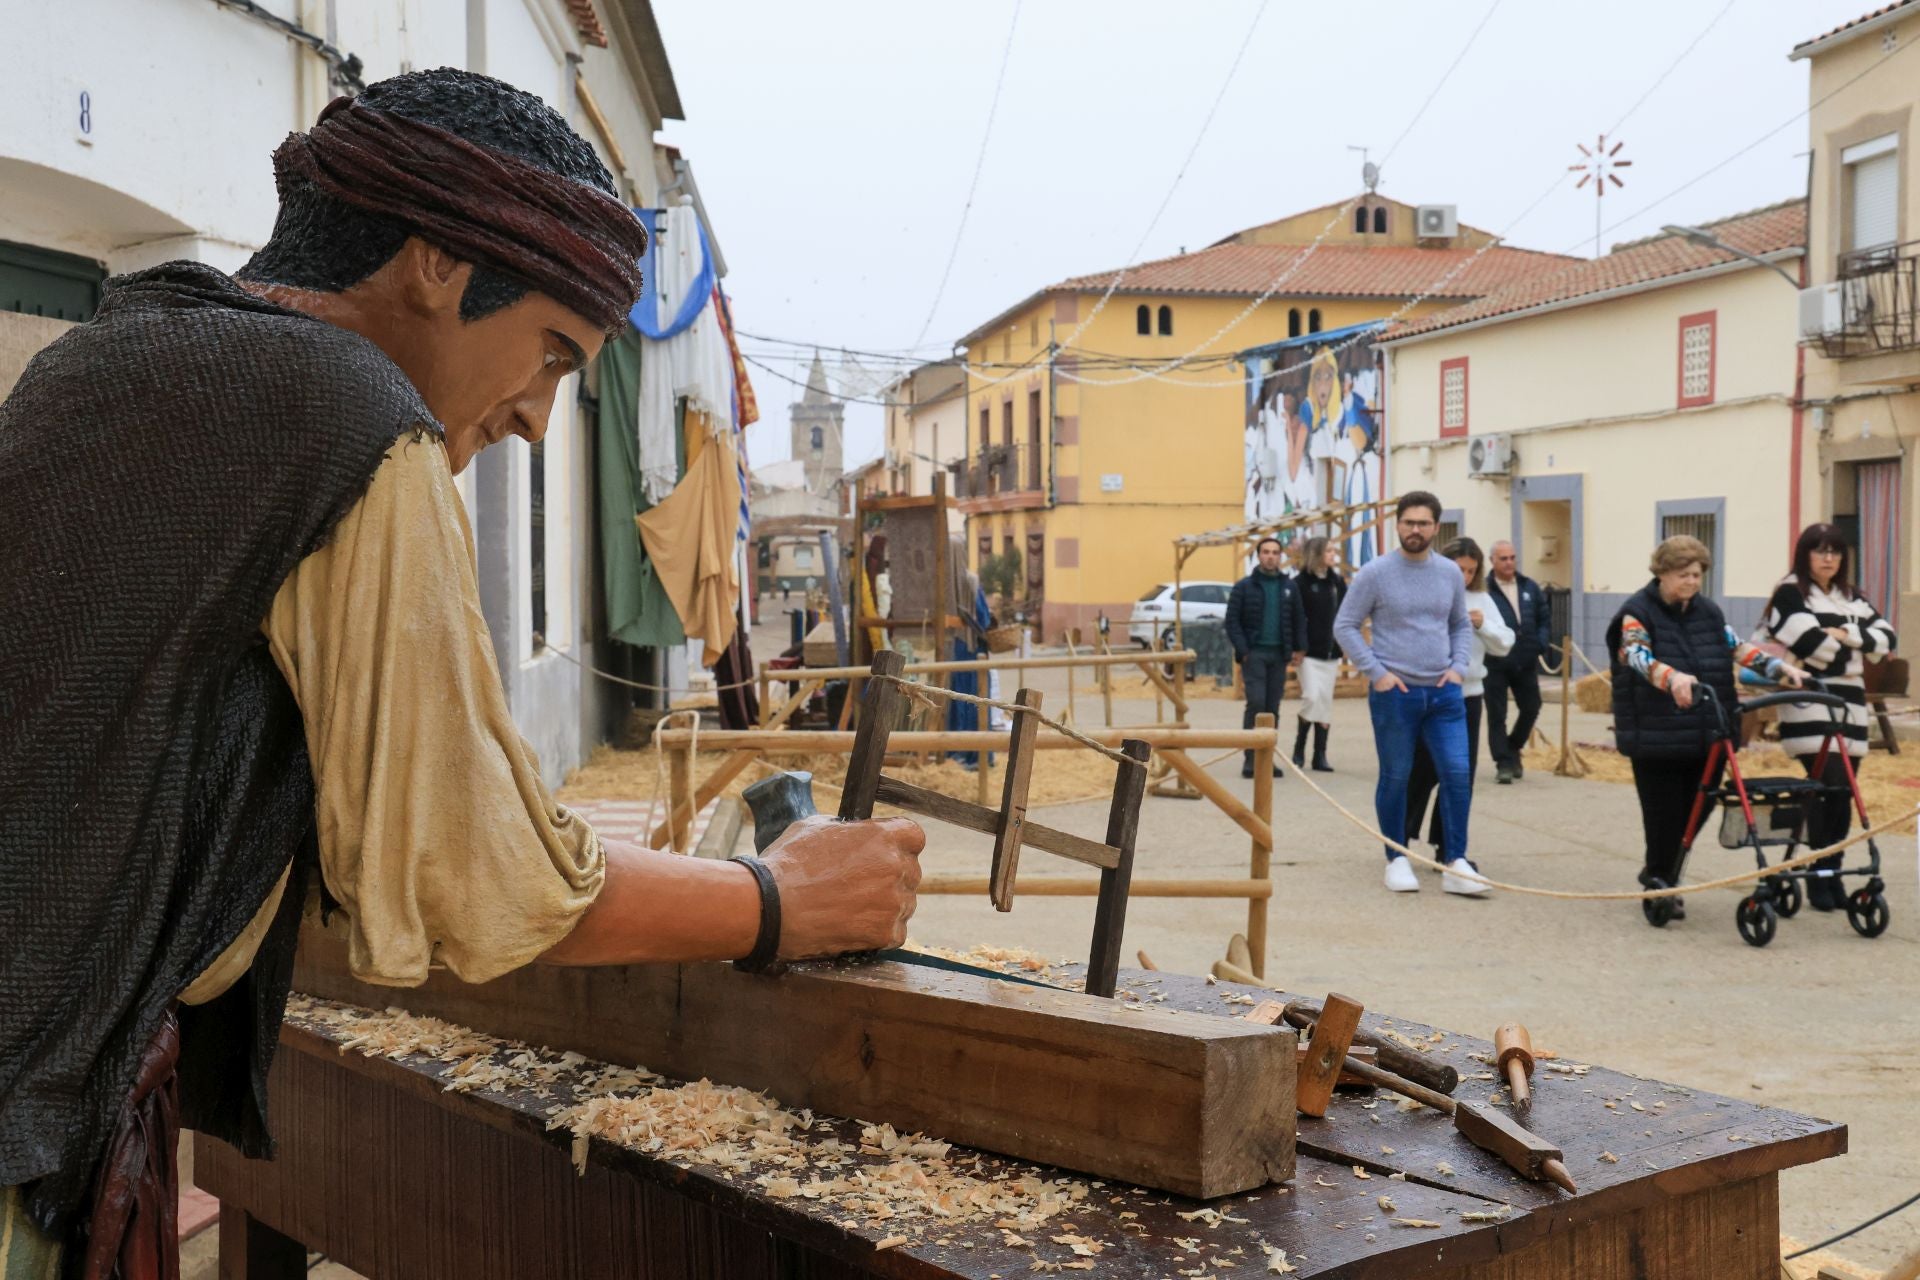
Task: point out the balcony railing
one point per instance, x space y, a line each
1879 302
997 469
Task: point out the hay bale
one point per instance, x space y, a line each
1594 692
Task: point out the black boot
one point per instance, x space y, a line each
1320 764
1246 766
1300 745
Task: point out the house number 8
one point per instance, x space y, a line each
86 112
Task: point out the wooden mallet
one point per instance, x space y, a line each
1513 1049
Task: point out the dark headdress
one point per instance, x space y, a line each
578 245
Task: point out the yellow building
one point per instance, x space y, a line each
1088 455
1590 412
1860 316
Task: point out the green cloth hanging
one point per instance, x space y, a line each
638 611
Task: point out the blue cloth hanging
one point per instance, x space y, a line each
645 315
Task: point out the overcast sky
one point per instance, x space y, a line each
835 140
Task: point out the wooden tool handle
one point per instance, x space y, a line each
1374 1075
1512 1042
1398 1059
1513 1049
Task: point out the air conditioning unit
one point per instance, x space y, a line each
1821 311
1436 221
1490 456
1835 310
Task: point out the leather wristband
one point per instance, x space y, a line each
766 944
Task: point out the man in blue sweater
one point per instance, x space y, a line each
1267 626
1421 649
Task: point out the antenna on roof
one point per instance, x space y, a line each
1369 171
1598 167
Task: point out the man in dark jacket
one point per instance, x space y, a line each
1267 625
1523 605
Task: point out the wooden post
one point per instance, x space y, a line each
1179 639
1570 765
1013 799
1106 684
1123 824
1261 863
1071 717
251 1250
766 694
680 796
870 745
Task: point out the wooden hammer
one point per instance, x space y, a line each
1403 1062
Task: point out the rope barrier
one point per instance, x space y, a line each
931 695
650 688
1642 895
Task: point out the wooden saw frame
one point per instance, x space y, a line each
1009 826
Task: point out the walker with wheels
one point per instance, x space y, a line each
1772 813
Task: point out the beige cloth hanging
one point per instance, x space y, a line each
690 538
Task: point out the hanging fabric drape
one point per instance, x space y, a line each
692 364
690 538
638 610
654 300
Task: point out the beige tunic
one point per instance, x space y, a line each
436 833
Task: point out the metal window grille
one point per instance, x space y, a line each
1696 361
1694 526
1453 399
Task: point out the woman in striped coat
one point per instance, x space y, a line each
1830 628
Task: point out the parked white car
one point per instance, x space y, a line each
1153 613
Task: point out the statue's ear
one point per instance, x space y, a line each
430 281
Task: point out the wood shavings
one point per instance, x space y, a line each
1385 1150
1408 1104
910 1182
890 1242
1212 1217
1277 1264
1636 1106
1387 1205
1080 1245
1488 1215
1414 1222
1013 1241
1231 997
1442 1168
1609 1157
1397 1177
1566 1068
1359 1171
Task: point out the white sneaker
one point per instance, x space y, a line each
1463 878
1400 877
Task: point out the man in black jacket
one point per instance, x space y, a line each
1523 605
1266 625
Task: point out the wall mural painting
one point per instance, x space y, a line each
1314 430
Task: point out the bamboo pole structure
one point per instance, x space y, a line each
1261 860
1056 660
1072 716
1065 887
1106 684
802 742
1571 765
679 785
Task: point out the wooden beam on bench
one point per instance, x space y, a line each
1196 1105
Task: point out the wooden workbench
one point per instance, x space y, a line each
383 1170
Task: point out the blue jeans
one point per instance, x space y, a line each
1434 717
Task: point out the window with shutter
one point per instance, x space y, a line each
1696 359
1873 193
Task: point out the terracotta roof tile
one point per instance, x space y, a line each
587 22
1332 270
1881 12
1762 231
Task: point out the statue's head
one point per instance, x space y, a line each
460 224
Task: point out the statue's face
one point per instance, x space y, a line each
498 375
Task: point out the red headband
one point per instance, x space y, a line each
578 245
